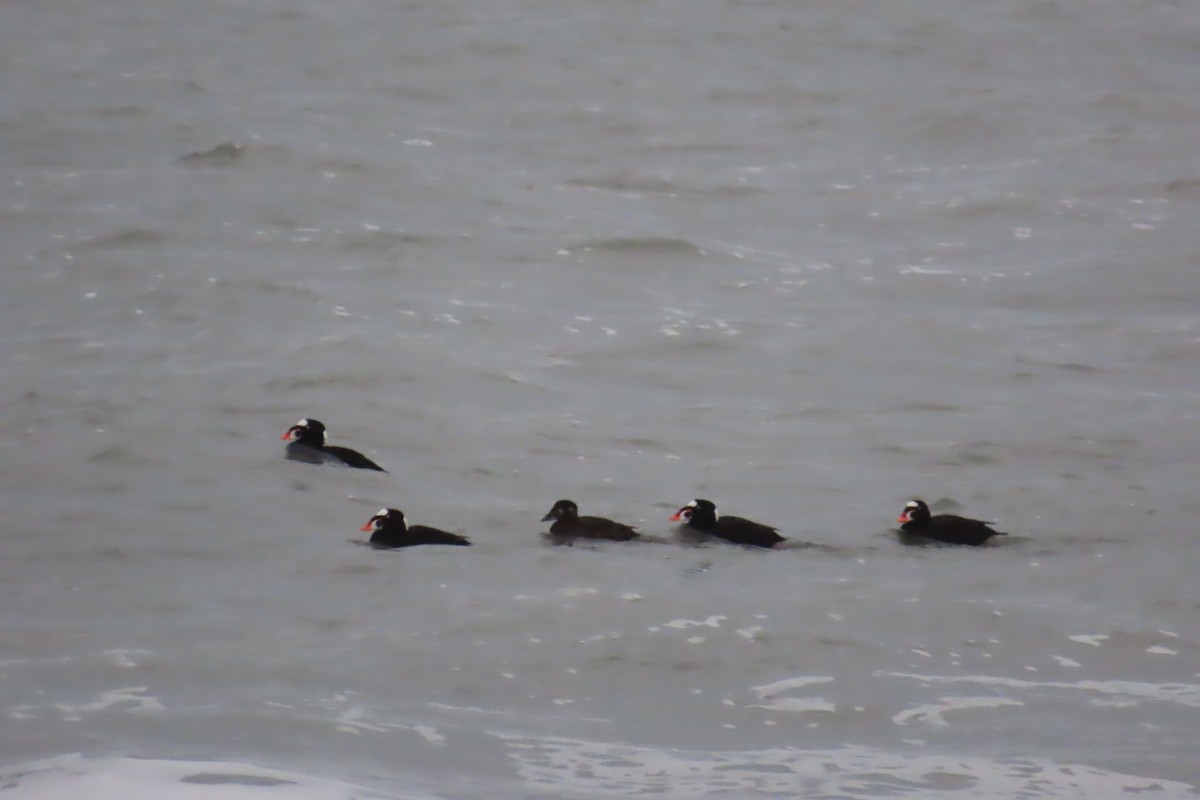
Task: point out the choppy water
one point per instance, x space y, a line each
804 259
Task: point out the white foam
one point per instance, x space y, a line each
769 689
712 622
1095 640
769 695
933 713
580 591
1185 694
353 720
124 778
751 633
1063 661
126 658
133 699
799 704
914 269
609 769
1159 650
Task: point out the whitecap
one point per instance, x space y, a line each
769 695
712 622
1063 661
932 713
1185 694
1095 640
134 699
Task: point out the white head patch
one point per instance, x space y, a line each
912 504
383 512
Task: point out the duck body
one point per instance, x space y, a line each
916 520
569 525
306 442
701 515
390 531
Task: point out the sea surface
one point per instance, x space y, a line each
805 259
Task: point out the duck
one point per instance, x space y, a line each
916 520
389 531
701 515
569 525
306 442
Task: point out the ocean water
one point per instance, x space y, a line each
807 260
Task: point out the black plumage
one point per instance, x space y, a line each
569 525
391 531
701 515
916 520
306 442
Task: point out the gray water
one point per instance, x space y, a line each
807 260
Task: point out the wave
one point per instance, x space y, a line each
122 778
648 245
624 770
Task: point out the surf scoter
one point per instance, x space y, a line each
701 515
390 531
569 525
949 528
306 442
